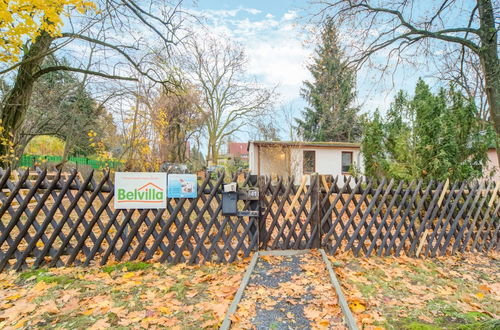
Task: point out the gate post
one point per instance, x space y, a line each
316 216
261 223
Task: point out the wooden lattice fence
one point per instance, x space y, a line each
381 217
64 219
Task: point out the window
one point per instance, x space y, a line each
309 161
346 161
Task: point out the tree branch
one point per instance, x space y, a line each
43 71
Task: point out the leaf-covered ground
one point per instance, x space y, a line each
407 293
391 293
126 296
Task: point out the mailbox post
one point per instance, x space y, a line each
231 194
230 199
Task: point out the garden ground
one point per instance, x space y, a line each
393 293
407 293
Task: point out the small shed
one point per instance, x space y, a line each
303 158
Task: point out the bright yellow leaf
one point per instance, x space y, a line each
357 306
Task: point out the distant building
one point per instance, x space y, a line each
238 149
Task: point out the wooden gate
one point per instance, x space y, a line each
290 217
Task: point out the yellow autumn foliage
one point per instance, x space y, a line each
22 20
45 145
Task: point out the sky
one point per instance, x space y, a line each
278 46
271 36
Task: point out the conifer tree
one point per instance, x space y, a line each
330 115
429 136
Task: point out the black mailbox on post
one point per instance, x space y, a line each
229 202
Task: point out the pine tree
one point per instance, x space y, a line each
330 115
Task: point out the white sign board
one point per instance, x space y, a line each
182 186
140 190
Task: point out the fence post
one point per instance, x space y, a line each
254 205
316 216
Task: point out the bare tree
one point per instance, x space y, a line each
266 129
176 117
117 33
288 114
464 71
399 26
229 97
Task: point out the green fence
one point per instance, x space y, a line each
31 160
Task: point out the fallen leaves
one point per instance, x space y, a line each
392 291
291 290
161 295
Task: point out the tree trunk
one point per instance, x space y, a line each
19 149
212 151
215 154
130 160
489 61
68 145
16 102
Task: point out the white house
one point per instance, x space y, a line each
492 170
299 158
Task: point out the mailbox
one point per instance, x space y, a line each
229 202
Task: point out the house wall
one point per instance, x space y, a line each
492 166
268 160
328 160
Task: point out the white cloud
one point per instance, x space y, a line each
274 47
289 15
253 11
220 12
225 13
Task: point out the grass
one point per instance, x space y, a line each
43 275
128 266
398 293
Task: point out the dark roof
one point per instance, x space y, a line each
307 144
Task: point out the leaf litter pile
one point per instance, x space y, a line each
128 296
406 293
289 292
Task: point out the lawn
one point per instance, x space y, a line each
407 293
128 295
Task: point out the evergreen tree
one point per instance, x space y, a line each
62 106
330 115
430 136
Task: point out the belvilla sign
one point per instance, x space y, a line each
139 190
